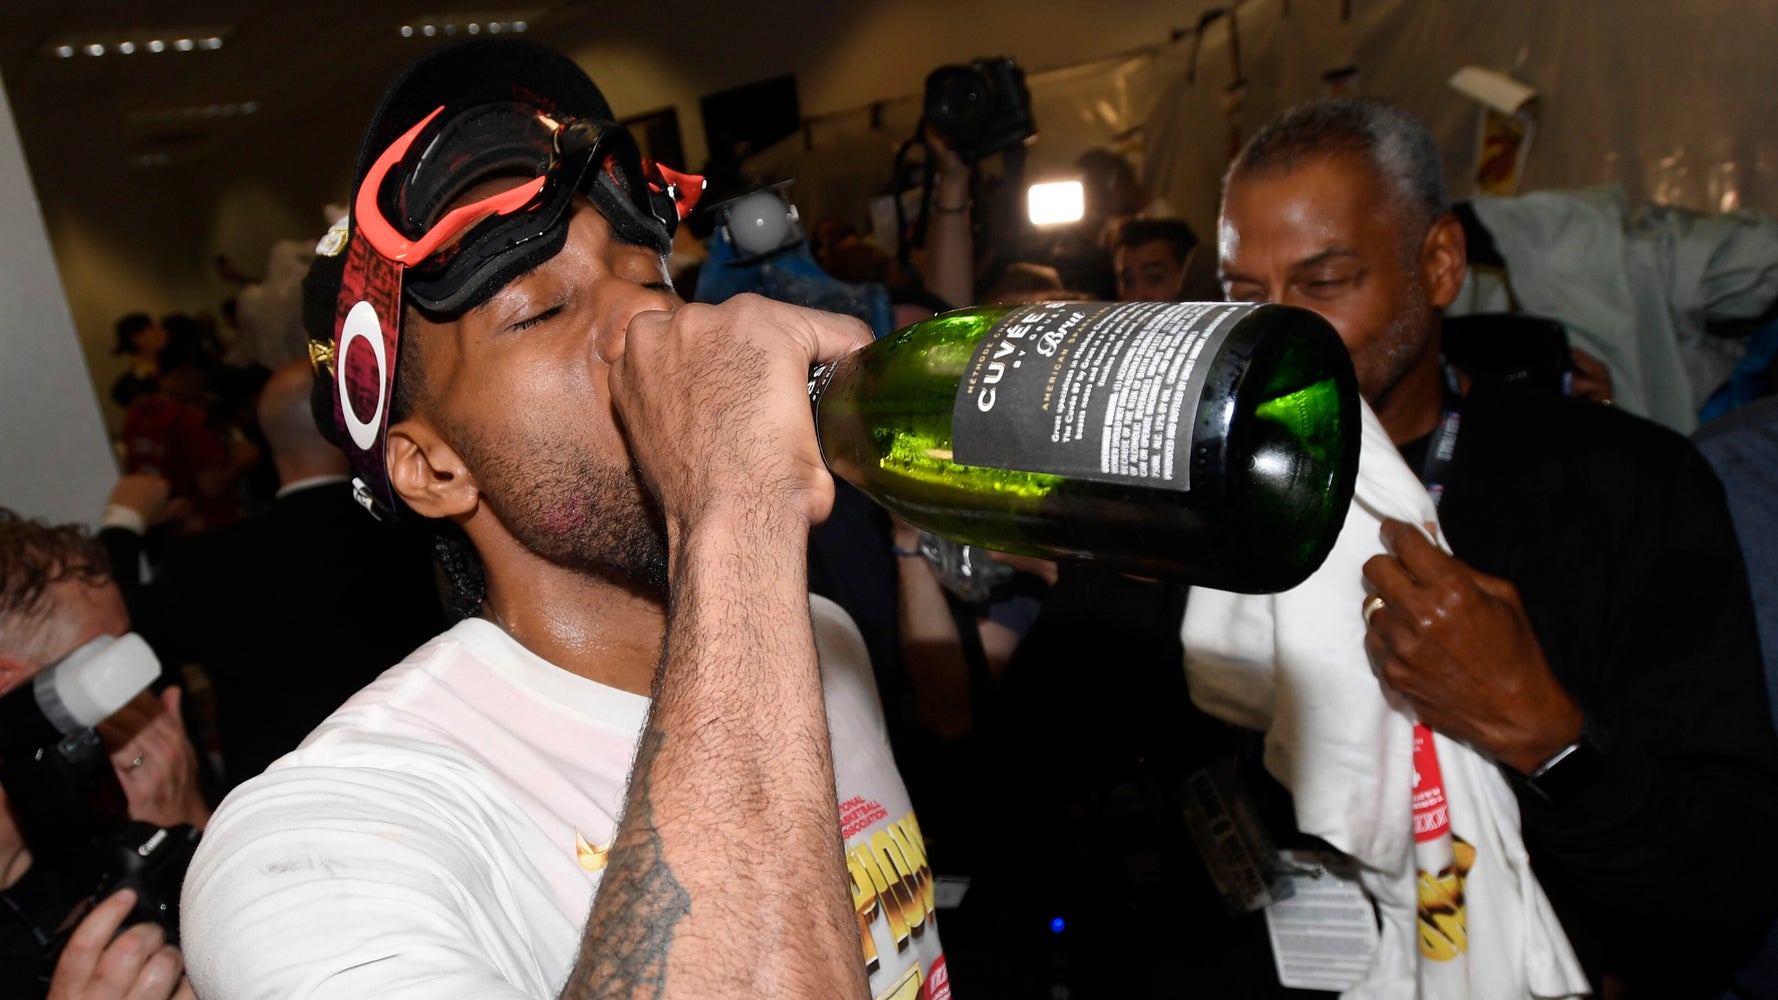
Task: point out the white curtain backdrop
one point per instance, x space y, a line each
1673 101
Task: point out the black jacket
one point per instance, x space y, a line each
1617 535
289 612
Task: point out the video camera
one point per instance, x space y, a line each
981 108
69 804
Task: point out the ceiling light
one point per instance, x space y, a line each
207 37
475 21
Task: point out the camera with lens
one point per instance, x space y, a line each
980 109
71 809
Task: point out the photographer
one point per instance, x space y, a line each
56 594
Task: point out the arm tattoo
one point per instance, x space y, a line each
638 905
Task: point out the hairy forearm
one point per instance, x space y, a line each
726 877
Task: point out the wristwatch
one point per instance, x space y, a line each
1568 772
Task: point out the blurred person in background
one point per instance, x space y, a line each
169 432
289 611
141 338
1151 257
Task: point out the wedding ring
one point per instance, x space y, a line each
1372 605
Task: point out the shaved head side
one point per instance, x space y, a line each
287 418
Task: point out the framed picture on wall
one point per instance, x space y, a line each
657 134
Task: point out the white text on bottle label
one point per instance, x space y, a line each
1105 392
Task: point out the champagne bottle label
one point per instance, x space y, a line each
1098 391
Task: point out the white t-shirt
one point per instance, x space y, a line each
442 834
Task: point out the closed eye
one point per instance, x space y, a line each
529 322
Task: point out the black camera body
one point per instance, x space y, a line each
980 109
70 807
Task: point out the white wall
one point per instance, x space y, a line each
54 462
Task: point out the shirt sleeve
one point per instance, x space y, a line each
330 882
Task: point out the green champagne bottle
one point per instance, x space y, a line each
1212 443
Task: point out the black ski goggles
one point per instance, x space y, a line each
418 241
453 260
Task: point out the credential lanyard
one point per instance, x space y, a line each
1435 470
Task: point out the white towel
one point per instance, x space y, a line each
1293 665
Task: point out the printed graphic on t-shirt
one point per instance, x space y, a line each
591 858
892 894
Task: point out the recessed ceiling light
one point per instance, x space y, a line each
207 37
458 23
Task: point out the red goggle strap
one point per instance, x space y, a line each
390 243
686 189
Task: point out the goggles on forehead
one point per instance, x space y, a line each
426 235
458 258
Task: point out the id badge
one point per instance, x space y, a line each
1237 852
1326 936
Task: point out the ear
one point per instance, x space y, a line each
427 473
1444 260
